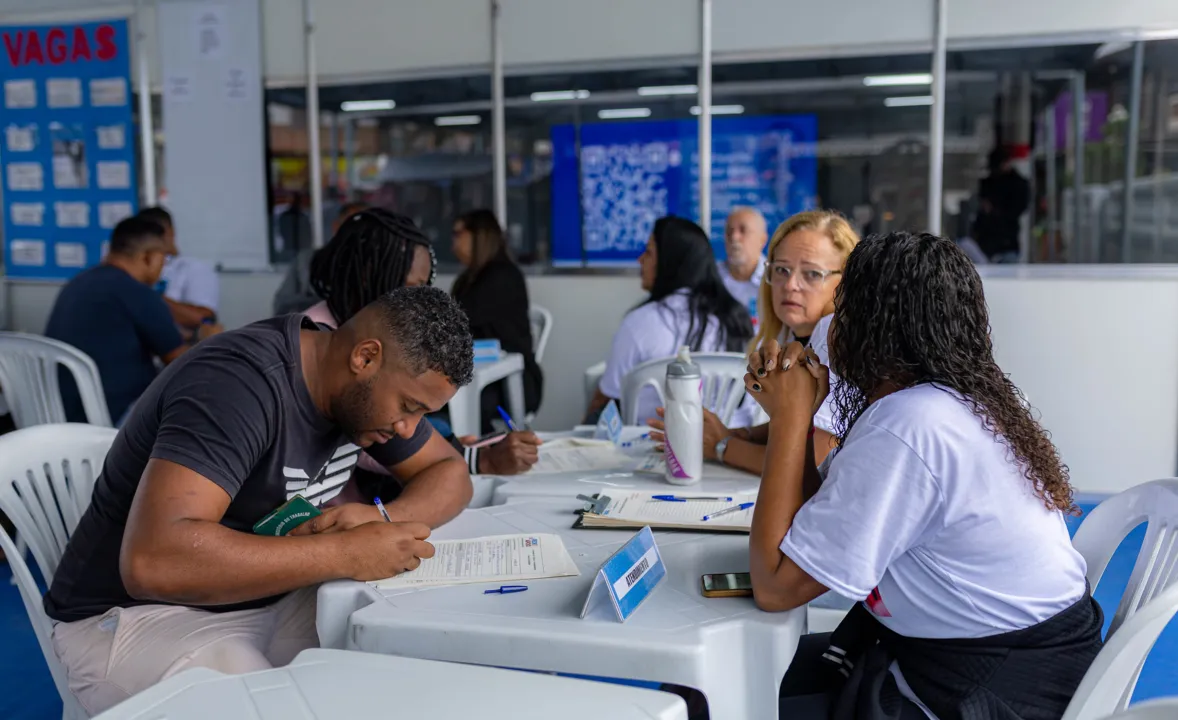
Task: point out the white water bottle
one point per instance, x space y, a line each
684 421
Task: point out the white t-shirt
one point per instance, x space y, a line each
745 291
652 331
925 514
191 281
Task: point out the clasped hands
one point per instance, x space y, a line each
787 380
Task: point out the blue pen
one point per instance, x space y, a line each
506 590
383 513
725 511
631 443
507 419
676 498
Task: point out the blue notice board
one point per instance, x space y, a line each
630 174
68 151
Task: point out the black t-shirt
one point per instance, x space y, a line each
235 409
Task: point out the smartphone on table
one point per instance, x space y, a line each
727 585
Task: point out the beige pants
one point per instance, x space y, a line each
113 656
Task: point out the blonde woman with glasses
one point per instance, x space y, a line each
796 302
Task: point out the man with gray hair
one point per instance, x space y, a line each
167 568
745 237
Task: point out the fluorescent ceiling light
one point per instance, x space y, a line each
889 80
622 113
721 110
454 120
361 105
668 90
551 95
909 101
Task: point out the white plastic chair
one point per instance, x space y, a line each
1108 685
1163 709
541 321
1154 503
28 379
47 475
593 375
723 383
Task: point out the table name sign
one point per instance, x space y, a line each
609 424
629 576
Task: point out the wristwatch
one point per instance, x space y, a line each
721 447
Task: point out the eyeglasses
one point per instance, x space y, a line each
808 278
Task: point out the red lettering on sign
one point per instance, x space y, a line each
56 46
81 46
33 51
14 50
105 36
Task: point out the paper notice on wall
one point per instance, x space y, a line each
64 92
236 87
209 31
20 94
178 88
70 254
108 92
21 138
112 213
29 253
26 176
69 156
28 214
114 175
71 214
112 137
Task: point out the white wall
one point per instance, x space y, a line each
1103 373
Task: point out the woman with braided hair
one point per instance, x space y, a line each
373 252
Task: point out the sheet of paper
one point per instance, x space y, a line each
111 213
28 214
114 174
20 94
71 214
112 137
108 92
640 508
25 176
577 456
64 92
70 254
21 138
499 558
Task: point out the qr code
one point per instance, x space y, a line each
623 192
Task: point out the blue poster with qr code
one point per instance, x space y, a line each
629 174
68 151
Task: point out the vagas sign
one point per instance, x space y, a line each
56 45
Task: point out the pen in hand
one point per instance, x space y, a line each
383 513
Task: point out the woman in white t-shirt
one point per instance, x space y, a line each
806 258
943 508
688 305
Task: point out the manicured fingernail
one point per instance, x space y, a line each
760 372
785 365
756 387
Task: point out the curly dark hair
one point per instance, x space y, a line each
430 330
910 310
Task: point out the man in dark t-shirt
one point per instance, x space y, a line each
111 313
163 571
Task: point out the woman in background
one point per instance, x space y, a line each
374 252
688 305
796 302
492 291
942 510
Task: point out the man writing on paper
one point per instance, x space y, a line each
163 572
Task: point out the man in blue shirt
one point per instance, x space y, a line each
111 313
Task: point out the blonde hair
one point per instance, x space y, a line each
828 222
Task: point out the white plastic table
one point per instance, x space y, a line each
727 648
338 684
465 418
718 479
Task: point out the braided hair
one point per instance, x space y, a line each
369 256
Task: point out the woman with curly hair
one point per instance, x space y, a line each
942 508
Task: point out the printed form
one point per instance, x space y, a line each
489 559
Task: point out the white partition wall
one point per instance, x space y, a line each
213 128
